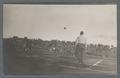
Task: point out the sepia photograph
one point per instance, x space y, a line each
59 39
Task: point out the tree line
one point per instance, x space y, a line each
24 46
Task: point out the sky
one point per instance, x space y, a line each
99 22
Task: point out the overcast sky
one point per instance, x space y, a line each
47 22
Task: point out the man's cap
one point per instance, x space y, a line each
81 32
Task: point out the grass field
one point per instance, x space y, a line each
49 64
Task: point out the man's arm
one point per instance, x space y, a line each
76 41
85 45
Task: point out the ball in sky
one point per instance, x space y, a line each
65 28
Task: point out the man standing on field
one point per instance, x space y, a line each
80 44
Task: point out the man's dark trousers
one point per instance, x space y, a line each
80 49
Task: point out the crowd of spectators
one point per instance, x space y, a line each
26 46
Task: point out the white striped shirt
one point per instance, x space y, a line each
81 39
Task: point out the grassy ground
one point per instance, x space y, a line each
52 64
